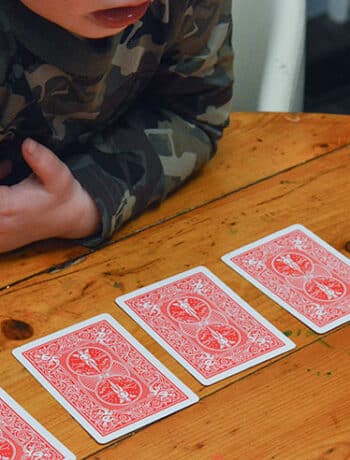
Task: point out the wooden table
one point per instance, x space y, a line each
271 170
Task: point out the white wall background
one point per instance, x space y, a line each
268 39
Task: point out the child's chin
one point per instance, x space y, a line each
93 31
94 35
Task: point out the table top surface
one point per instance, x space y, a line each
271 171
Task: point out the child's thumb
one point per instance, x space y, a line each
44 163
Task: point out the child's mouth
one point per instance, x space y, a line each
117 18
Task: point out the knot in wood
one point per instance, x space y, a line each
14 329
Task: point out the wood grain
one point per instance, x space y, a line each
295 409
316 194
255 146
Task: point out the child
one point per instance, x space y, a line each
106 106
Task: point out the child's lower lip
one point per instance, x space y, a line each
116 18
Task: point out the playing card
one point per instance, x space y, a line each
301 273
104 378
23 438
211 331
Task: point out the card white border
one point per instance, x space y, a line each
68 455
192 397
226 258
223 375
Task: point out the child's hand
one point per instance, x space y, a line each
49 203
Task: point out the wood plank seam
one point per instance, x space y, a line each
70 262
254 372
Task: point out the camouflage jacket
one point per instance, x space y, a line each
132 115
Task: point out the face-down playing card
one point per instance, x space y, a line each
300 272
209 329
23 438
104 378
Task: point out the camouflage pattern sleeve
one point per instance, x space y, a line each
172 129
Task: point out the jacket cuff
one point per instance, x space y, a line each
105 190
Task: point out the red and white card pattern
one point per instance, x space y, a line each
23 438
211 331
104 378
301 273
